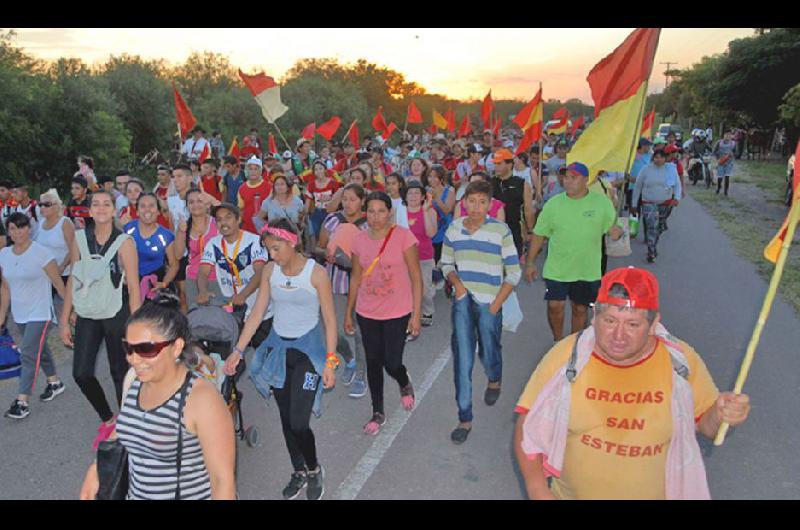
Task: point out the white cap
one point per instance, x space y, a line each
254 160
287 154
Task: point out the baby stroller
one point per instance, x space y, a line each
216 331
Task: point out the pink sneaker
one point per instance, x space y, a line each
103 432
407 396
374 425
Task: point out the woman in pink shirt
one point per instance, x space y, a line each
200 228
422 223
386 294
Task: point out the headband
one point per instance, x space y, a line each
281 234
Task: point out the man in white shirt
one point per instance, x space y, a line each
193 147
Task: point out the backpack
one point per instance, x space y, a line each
9 356
93 293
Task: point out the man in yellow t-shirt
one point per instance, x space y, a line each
620 422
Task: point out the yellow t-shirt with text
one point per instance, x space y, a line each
620 421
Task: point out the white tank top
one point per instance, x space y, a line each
53 240
295 302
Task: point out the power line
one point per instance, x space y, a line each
666 72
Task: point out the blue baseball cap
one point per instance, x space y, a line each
578 168
644 142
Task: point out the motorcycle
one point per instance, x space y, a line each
700 169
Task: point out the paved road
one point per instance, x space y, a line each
710 298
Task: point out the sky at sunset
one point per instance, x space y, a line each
458 63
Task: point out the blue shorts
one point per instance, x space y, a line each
580 292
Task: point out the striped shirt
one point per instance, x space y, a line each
151 439
483 260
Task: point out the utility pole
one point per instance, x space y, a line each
666 72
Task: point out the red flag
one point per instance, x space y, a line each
414 115
329 128
532 135
353 134
273 148
450 116
496 126
620 74
204 154
267 94
433 129
234 150
561 113
576 124
389 130
186 120
378 123
486 109
308 131
465 127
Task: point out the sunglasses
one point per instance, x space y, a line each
46 204
148 350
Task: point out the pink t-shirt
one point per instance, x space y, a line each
386 293
196 252
416 223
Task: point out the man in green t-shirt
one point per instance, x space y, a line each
574 222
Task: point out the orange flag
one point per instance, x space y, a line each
234 150
204 154
329 128
414 115
378 123
450 115
647 123
438 120
186 120
308 131
465 127
773 249
486 109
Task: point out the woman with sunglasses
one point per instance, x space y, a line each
90 333
386 295
56 231
292 359
158 263
29 272
148 425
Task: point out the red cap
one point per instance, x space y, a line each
641 285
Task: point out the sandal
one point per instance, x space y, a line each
374 425
407 396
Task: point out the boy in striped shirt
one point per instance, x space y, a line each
480 260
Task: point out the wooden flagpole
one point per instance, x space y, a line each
289 147
347 134
794 217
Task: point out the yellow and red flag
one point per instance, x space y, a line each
647 124
486 110
267 94
530 119
439 121
329 128
234 150
413 115
560 127
773 249
186 120
619 87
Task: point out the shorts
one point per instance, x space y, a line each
579 292
182 264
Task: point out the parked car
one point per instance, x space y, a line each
665 128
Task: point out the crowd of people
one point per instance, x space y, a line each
340 254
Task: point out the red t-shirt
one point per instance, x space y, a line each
161 192
131 210
250 199
321 196
211 186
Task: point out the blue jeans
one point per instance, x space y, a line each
473 325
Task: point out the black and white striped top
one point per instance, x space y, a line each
151 439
